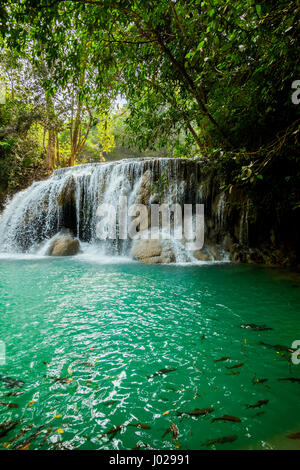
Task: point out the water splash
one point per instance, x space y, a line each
71 196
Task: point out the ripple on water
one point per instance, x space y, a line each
85 338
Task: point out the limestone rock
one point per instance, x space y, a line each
202 255
64 246
153 251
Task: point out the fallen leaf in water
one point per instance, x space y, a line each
26 447
31 403
166 413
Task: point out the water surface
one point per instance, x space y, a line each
104 328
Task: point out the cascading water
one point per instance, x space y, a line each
71 196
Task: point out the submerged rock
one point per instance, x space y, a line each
64 246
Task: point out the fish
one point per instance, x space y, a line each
173 429
10 382
295 435
234 419
13 394
290 379
109 403
225 358
197 412
7 426
161 372
27 442
62 380
220 440
258 404
259 413
277 347
10 405
112 431
252 326
234 372
140 425
258 381
235 366
20 434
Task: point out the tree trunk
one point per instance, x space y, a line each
50 155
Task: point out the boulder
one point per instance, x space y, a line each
202 255
64 246
153 251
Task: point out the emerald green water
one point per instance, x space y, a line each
105 328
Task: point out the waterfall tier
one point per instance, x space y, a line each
71 196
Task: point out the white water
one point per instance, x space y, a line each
34 216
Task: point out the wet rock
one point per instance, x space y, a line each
153 251
144 191
67 194
202 255
215 252
64 246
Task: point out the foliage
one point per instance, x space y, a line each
211 77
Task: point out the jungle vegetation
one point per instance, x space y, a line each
210 78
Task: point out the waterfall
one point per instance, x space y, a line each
71 196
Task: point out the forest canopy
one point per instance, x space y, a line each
191 78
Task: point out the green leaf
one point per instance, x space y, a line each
201 44
258 10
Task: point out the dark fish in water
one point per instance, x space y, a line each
235 366
21 433
296 435
12 394
173 429
290 379
234 372
62 380
197 412
252 326
161 372
277 347
112 432
173 389
225 358
221 440
255 380
9 405
140 425
28 440
109 403
7 426
234 419
258 404
10 382
259 413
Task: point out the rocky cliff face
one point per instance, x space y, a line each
235 225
